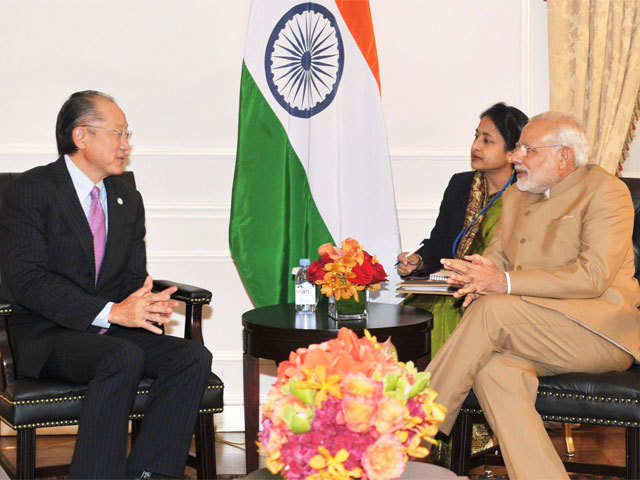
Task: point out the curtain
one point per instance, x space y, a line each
594 69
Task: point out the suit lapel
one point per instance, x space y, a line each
116 206
72 210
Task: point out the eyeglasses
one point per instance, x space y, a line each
529 149
116 133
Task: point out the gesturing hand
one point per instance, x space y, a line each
478 276
408 263
144 309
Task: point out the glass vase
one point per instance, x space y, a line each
349 308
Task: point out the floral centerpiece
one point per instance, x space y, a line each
343 273
346 408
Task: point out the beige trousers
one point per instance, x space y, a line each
499 349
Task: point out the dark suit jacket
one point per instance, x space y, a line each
449 222
47 258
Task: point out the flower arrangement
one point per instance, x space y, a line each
346 408
345 271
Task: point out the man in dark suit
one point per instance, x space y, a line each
73 258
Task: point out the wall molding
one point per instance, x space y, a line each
225 154
190 256
199 210
630 174
418 211
222 210
526 53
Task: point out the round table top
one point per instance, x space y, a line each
274 331
379 316
414 471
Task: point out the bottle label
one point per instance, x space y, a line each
305 294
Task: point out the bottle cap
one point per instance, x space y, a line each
304 262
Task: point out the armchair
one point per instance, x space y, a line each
27 404
609 399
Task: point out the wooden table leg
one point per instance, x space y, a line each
251 383
422 362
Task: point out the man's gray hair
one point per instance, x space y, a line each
569 133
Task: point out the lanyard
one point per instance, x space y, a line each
486 207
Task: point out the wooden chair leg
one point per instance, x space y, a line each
26 453
568 439
632 441
205 446
461 444
136 423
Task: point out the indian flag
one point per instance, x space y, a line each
312 163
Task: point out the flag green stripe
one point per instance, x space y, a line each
274 219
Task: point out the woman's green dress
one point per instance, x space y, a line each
447 310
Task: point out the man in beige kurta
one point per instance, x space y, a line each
553 293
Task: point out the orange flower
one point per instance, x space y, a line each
317 379
360 385
347 270
273 462
331 467
391 415
352 248
384 459
343 355
415 449
357 413
433 411
333 252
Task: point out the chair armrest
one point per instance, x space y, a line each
6 357
194 298
186 293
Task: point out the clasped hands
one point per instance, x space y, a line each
475 275
144 309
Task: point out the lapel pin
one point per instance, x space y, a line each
120 201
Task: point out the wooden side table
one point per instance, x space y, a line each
273 332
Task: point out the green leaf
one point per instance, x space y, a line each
300 424
390 382
401 389
411 368
421 382
288 413
305 395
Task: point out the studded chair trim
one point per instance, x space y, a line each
73 398
16 408
570 419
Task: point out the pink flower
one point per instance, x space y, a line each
384 459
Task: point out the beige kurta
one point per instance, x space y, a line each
572 252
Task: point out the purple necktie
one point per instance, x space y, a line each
98 228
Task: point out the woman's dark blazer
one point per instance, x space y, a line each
449 222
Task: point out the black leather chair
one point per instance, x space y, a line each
610 399
27 404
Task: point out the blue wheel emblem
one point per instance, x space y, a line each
304 59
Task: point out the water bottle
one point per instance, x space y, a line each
305 290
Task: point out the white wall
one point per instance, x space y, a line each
174 67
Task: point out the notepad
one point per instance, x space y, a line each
440 275
425 285
430 289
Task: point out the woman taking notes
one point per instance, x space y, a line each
469 212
